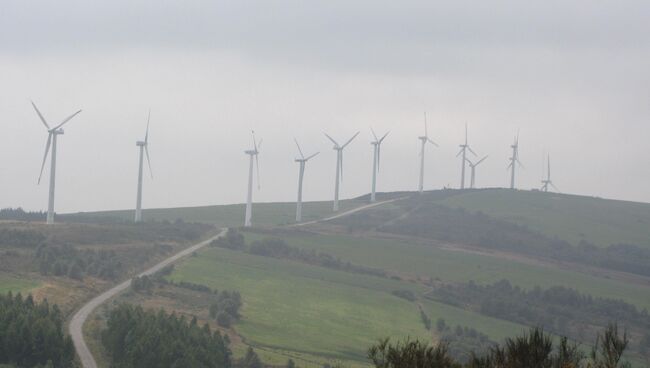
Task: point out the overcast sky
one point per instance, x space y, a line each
572 76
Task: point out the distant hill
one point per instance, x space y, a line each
264 214
572 218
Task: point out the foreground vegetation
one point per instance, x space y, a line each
31 334
534 349
138 338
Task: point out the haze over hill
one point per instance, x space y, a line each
571 78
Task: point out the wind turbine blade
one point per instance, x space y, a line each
471 150
470 162
146 151
331 139
373 134
432 142
67 119
146 136
554 187
299 150
47 151
350 140
460 152
384 137
520 164
312 156
549 167
481 160
509 166
254 140
259 144
40 115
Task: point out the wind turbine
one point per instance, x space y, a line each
548 181
249 199
514 161
463 151
424 139
375 163
51 143
339 166
144 149
302 161
472 166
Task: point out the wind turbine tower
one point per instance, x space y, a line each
514 161
302 161
51 144
472 166
253 153
144 149
463 151
339 166
375 162
548 181
424 139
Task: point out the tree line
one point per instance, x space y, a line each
31 334
278 248
137 338
558 309
457 225
225 305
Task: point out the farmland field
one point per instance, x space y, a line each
410 257
14 284
316 311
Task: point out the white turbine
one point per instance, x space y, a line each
424 139
253 153
339 166
514 161
463 151
144 149
51 142
548 181
301 174
375 162
472 166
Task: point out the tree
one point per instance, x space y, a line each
251 360
609 348
410 354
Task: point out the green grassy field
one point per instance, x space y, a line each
448 265
571 218
14 284
264 214
316 311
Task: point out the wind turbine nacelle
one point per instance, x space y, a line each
59 131
140 143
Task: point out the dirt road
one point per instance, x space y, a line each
77 322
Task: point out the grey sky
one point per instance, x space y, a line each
572 76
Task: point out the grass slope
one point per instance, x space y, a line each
13 284
423 259
316 311
264 214
571 218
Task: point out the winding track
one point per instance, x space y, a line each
78 320
349 212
